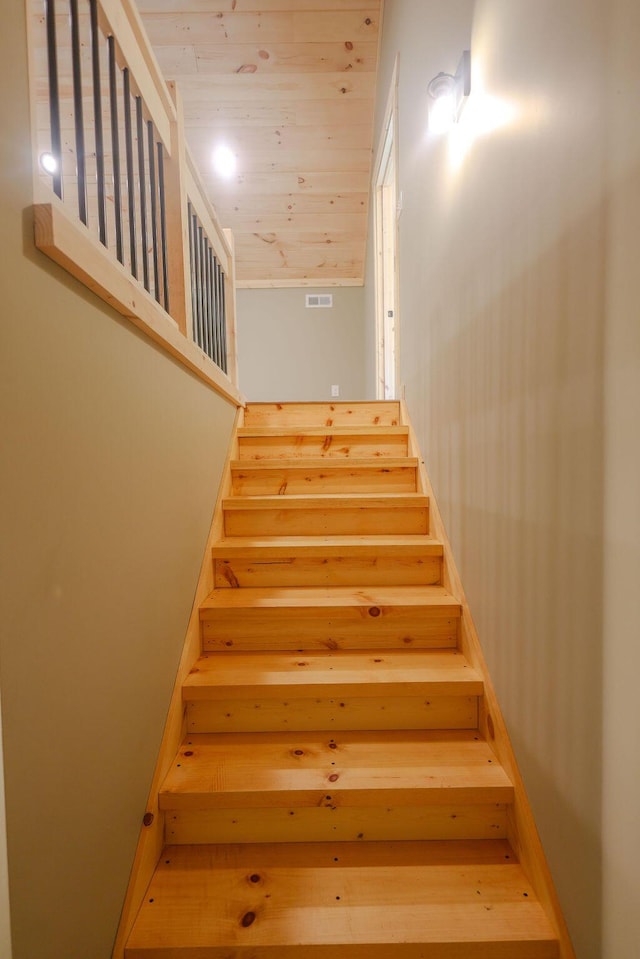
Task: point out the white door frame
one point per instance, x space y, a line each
385 232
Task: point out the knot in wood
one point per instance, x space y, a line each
374 611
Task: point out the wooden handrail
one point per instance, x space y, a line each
148 277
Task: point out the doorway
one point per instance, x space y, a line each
385 191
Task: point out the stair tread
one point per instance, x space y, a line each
327 501
334 768
244 431
328 597
409 544
315 462
364 899
255 673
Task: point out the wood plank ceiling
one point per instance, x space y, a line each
289 86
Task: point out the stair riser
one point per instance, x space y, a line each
296 482
344 627
304 714
346 824
332 571
317 445
326 522
526 948
322 414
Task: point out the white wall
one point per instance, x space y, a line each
291 353
519 351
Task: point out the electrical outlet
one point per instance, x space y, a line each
335 390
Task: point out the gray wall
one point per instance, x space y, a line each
520 352
110 463
288 352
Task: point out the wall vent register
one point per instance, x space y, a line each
316 300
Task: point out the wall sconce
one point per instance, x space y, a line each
448 94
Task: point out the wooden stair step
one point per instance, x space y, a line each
255 443
330 618
271 675
327 501
409 559
415 545
407 768
367 475
397 689
329 514
367 900
385 413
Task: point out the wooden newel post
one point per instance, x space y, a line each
178 222
230 305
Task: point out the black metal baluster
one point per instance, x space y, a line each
81 171
205 289
97 117
163 226
223 326
206 250
131 189
216 311
214 341
192 271
153 192
201 289
143 193
54 96
115 145
198 245
216 338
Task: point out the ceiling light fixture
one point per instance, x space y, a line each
224 161
449 94
49 163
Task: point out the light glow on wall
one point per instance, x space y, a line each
442 114
484 114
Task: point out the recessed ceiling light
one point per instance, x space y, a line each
224 161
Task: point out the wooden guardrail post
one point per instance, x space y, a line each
178 222
230 306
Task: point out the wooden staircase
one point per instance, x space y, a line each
339 791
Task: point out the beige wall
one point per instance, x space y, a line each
521 359
289 352
111 459
621 606
5 910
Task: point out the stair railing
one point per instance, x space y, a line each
119 203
